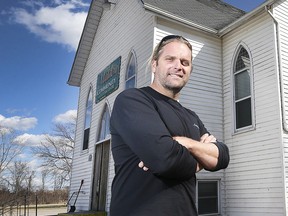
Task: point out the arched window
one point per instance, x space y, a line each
104 132
88 116
242 89
130 77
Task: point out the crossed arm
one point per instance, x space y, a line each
205 151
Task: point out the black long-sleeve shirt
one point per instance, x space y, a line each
143 123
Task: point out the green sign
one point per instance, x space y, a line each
108 80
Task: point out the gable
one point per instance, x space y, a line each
86 41
214 17
210 14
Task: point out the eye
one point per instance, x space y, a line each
169 58
185 62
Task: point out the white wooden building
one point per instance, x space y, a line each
238 87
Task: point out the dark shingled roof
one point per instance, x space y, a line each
213 14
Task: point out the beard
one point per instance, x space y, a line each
173 88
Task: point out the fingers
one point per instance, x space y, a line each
203 137
175 138
142 166
199 167
211 138
206 138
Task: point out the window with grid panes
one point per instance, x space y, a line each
208 197
88 116
105 125
242 90
130 78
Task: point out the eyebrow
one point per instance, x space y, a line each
181 59
172 56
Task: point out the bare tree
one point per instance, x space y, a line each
56 153
20 177
44 174
29 180
8 149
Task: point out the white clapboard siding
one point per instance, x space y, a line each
281 15
254 184
205 81
256 181
203 93
122 29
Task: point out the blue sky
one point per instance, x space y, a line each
37 46
246 5
38 40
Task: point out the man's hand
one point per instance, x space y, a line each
206 138
184 141
204 151
142 166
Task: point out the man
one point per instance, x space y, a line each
157 144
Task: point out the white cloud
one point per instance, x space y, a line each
62 24
30 139
67 117
18 123
4 130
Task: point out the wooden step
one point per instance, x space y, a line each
84 213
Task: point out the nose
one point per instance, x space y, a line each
177 64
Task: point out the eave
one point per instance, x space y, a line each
86 42
261 8
163 13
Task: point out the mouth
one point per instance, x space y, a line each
176 75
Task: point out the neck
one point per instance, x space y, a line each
173 94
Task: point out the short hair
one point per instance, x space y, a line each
166 40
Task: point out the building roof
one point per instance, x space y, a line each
86 41
211 14
208 15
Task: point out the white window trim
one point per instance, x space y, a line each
85 151
98 140
234 58
131 53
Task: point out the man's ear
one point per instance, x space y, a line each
153 66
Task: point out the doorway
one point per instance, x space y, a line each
100 176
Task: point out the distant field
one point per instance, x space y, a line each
51 210
42 210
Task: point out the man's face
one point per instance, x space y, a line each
173 68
